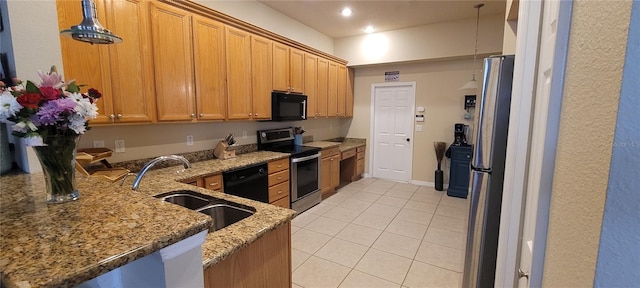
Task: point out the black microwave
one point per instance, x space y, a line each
288 107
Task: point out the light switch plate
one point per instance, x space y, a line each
189 140
119 146
98 144
418 128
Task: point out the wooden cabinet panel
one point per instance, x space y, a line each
341 90
131 64
238 47
210 68
278 191
86 63
311 83
213 182
281 67
332 90
335 171
360 166
261 72
172 53
278 165
360 155
325 182
330 151
296 70
323 85
264 263
284 203
278 177
349 101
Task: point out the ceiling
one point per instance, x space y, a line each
324 15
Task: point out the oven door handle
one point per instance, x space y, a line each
302 159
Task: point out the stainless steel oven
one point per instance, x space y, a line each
304 168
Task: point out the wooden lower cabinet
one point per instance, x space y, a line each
279 183
330 171
264 263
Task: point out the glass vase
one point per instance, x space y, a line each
58 161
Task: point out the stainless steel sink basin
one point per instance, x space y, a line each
223 212
224 215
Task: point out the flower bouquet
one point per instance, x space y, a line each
50 117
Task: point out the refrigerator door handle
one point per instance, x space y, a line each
486 113
478 193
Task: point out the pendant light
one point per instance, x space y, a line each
90 30
473 84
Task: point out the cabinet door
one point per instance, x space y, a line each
88 64
342 90
311 83
171 29
350 82
335 171
296 70
261 77
325 182
210 68
131 63
323 84
332 90
238 45
280 67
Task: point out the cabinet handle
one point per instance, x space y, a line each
112 116
213 184
279 191
279 165
201 114
193 115
119 116
279 177
255 114
249 114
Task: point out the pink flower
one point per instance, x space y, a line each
50 93
51 80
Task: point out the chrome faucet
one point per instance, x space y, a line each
153 162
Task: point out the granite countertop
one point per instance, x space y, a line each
109 226
322 144
344 146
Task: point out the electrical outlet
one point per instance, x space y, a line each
189 140
418 128
98 144
244 134
119 146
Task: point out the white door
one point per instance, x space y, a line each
393 130
544 134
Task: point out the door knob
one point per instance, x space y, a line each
408 139
112 116
201 114
522 274
119 116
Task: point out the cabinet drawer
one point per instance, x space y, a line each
194 182
330 151
278 165
284 203
278 191
278 177
213 182
348 154
361 149
360 155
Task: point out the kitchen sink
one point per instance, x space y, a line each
223 212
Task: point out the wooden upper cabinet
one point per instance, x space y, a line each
87 64
323 87
311 83
172 53
210 68
281 67
261 76
342 90
296 70
131 63
332 87
350 82
238 45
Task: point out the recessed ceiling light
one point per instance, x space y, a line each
346 12
369 29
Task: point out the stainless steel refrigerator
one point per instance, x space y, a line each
487 171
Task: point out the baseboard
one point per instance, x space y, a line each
425 183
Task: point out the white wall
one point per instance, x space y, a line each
265 17
428 42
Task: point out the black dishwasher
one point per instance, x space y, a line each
251 182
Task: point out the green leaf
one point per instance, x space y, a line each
73 87
32 88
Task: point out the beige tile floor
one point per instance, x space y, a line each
379 233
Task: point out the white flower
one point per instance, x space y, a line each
9 106
76 123
24 127
84 107
33 140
